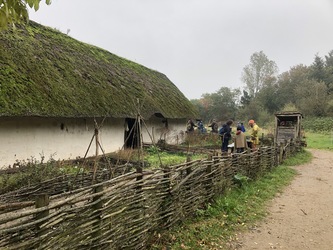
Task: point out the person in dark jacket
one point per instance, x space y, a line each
225 133
190 126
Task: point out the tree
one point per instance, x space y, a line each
329 71
318 69
329 59
267 98
257 72
322 71
221 105
245 98
312 98
289 81
202 107
15 11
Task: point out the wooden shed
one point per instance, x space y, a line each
288 125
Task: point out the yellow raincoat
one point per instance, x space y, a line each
255 134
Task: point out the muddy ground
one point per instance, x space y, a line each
301 217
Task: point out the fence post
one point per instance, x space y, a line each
281 153
188 169
208 182
139 170
97 215
262 139
41 200
166 202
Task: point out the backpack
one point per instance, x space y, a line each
222 130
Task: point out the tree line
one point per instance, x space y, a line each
307 89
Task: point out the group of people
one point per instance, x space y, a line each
240 141
225 132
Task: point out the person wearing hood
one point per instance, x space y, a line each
240 140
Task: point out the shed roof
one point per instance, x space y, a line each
289 113
46 73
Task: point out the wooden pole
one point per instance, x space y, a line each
281 153
41 200
209 183
97 142
97 206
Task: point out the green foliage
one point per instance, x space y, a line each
245 99
157 158
240 179
318 124
15 11
289 107
221 105
153 150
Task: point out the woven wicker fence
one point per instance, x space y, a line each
123 212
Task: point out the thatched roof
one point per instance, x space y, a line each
44 72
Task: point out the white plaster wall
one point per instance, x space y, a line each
23 139
174 134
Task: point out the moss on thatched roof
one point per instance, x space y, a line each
44 72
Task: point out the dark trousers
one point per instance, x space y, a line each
225 143
240 150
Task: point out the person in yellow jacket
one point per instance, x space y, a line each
254 134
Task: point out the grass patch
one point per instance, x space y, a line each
154 157
237 210
320 140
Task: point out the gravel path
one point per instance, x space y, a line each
302 216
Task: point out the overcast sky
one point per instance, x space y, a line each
200 45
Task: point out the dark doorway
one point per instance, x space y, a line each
132 133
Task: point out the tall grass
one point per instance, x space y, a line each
215 227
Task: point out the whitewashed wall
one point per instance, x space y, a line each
31 138
173 134
24 139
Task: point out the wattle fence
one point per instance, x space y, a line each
126 211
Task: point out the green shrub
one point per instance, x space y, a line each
318 124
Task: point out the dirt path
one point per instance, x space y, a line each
302 216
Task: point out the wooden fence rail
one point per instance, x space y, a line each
123 212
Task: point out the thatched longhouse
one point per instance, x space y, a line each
56 91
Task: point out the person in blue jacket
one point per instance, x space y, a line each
201 127
241 125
